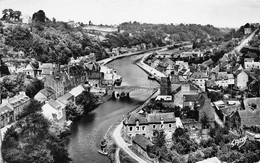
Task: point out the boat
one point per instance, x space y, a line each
118 81
103 145
151 77
102 152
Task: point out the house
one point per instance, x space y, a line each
165 84
185 89
251 115
18 103
76 92
222 79
208 62
241 80
95 79
47 69
231 79
115 51
199 78
6 115
145 124
210 160
30 70
189 101
56 83
167 61
45 95
65 99
247 31
169 69
250 64
53 111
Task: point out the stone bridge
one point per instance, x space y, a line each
124 91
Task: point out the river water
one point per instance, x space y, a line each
89 130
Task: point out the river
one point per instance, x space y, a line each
89 130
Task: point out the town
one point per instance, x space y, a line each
75 92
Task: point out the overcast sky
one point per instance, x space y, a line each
220 13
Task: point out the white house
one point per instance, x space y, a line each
53 110
76 92
250 64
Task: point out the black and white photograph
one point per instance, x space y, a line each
129 81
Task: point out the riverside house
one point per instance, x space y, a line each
145 124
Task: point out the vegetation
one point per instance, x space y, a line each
86 101
73 112
13 84
30 140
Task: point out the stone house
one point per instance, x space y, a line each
56 83
155 62
222 79
45 95
31 70
199 78
250 64
6 115
95 79
76 92
18 103
185 89
145 124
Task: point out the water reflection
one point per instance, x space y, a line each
89 130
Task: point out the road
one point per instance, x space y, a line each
245 41
122 144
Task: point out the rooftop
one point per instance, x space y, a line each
142 141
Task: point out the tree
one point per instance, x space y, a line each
73 112
17 15
159 138
39 16
87 101
33 107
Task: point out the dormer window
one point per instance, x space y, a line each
137 122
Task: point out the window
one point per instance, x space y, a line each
153 126
137 128
170 125
161 126
130 128
143 127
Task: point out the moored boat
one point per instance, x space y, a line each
151 77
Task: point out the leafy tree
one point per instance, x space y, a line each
73 112
87 101
39 16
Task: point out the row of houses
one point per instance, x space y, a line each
11 108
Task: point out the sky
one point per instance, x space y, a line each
220 13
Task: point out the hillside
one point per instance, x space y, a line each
54 41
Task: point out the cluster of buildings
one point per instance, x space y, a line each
62 84
122 50
192 88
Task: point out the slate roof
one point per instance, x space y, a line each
47 92
77 90
190 98
150 118
158 117
222 75
208 62
4 109
142 141
54 104
96 75
199 75
64 99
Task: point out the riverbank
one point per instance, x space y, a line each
107 60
